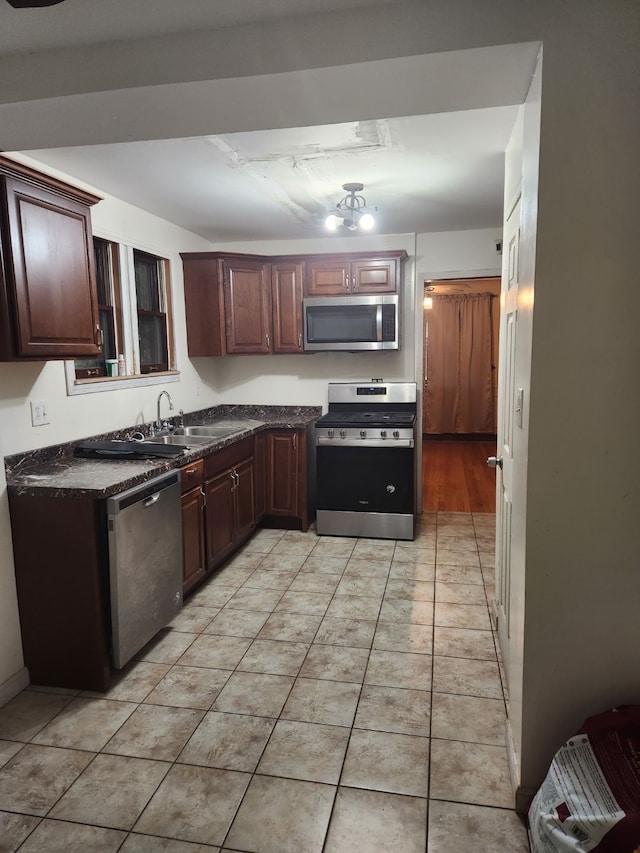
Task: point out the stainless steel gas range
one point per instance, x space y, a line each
365 460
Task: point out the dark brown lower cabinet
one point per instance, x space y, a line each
261 475
230 498
194 565
286 477
60 558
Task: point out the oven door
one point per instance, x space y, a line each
365 479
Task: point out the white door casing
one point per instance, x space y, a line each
509 417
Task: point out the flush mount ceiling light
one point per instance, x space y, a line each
351 212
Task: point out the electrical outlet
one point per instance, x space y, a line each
39 412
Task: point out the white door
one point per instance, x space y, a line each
509 410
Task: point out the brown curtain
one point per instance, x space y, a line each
459 386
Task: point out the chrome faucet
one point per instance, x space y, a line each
158 424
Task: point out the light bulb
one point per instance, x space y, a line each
331 222
428 302
367 222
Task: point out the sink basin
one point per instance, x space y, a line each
184 440
205 430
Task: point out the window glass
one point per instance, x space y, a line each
104 258
152 320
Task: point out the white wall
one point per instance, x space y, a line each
472 252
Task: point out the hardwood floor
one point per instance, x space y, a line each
456 477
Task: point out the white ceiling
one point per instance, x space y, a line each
426 173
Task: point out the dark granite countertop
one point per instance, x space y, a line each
56 472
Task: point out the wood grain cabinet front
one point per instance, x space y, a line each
230 497
350 274
63 589
242 304
286 477
193 525
48 300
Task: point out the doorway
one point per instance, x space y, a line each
461 321
461 324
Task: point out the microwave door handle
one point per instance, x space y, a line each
379 322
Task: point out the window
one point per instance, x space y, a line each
134 307
109 309
152 319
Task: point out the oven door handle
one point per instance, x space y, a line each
393 444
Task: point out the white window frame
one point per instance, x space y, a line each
133 379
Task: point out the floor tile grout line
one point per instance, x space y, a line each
370 649
355 712
254 773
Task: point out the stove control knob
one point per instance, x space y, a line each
343 433
396 434
383 433
330 433
363 433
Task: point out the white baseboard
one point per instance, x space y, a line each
12 686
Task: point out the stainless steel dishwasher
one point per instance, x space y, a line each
145 562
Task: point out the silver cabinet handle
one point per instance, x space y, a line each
204 498
299 341
295 440
267 340
494 462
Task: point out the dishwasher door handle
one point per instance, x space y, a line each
150 501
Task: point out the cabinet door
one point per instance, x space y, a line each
219 514
50 273
247 306
203 305
261 475
282 473
244 499
326 277
193 551
286 300
374 275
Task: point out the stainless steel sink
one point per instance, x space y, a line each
185 440
205 430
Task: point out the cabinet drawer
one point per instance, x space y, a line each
220 460
192 475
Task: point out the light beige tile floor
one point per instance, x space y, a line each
318 695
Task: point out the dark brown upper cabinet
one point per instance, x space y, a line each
336 275
237 304
242 304
286 301
48 300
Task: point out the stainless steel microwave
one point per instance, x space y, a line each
351 323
